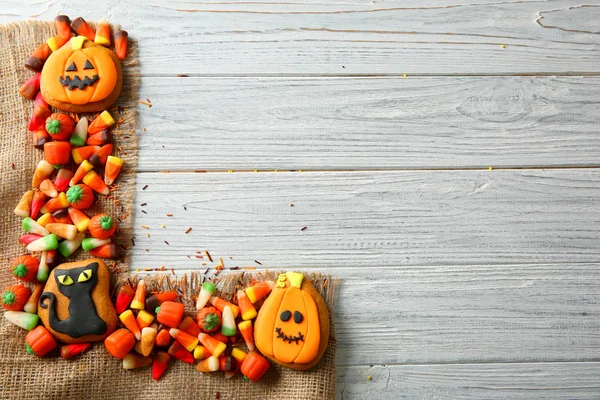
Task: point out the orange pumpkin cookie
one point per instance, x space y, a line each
292 326
75 305
81 76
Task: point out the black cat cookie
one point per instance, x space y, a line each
75 305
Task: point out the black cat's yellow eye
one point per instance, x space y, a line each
65 280
85 275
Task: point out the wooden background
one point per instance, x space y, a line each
458 281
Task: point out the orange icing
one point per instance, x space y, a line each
79 51
269 325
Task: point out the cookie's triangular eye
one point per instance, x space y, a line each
88 65
71 67
85 276
65 280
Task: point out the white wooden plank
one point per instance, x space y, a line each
347 37
341 123
466 314
481 381
369 218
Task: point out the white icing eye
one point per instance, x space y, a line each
65 280
85 275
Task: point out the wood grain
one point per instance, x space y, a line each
369 218
385 123
489 381
250 38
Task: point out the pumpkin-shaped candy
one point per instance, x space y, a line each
81 76
292 326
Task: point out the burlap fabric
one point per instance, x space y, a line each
96 375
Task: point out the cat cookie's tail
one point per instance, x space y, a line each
55 323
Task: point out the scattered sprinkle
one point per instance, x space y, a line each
258 262
132 242
405 75
145 227
145 187
291 204
185 208
490 168
303 229
502 46
162 226
255 170
249 268
137 270
229 170
167 242
369 377
169 215
144 204
144 212
146 103
299 170
12 165
188 230
208 255
235 268
148 235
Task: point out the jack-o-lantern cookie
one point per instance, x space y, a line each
81 76
292 326
75 305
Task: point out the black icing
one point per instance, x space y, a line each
77 82
289 339
298 317
83 318
71 67
285 315
88 65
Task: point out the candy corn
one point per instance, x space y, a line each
200 353
112 169
228 324
32 304
110 251
247 333
48 188
81 27
220 305
83 153
180 353
31 88
80 134
246 307
103 121
228 364
124 298
144 319
99 139
119 343
134 361
43 170
63 26
56 203
49 242
45 219
140 296
214 346
22 319
258 291
37 202
31 226
73 350
81 172
188 325
57 153
163 339
37 121
210 364
99 158
44 268
62 179
102 34
23 209
52 258
38 58
188 341
206 291
121 44
220 337
63 230
57 42
148 339
170 313
91 243
128 319
62 216
80 220
29 237
93 180
39 136
68 247
239 356
160 364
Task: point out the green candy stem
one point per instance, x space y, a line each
74 194
53 127
105 222
8 298
156 310
211 321
29 349
20 270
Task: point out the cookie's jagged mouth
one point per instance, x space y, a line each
77 82
289 338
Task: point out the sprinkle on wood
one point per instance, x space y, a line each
208 255
188 230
